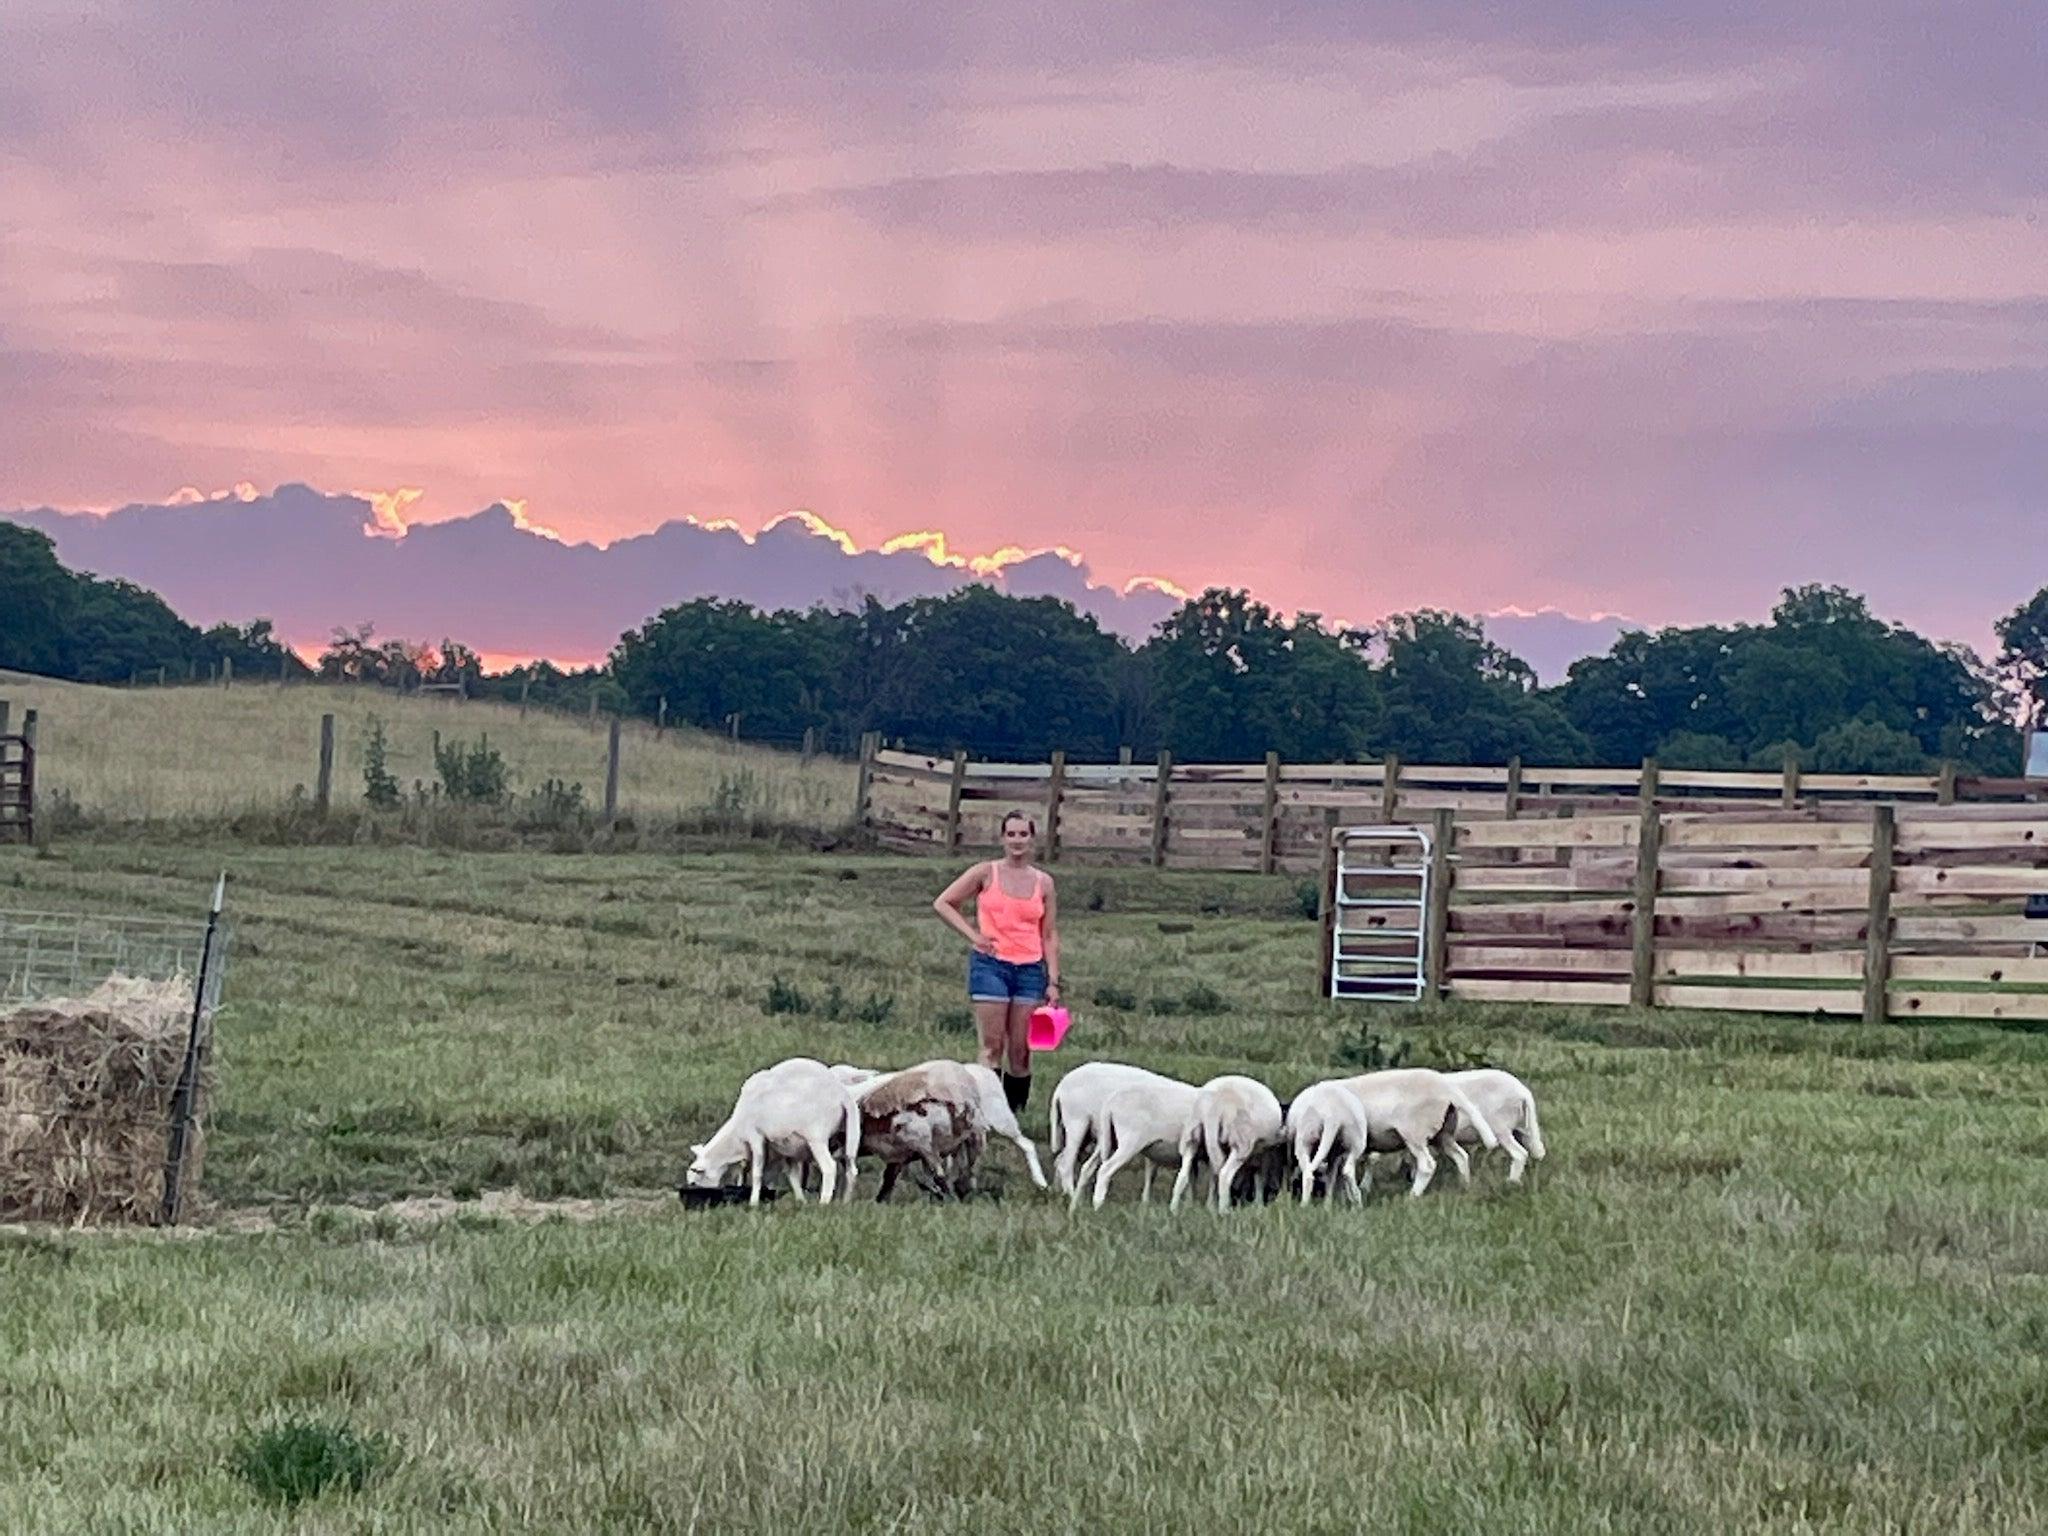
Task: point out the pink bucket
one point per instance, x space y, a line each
1048 1028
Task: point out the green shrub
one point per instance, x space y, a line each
472 775
301 1459
380 786
785 997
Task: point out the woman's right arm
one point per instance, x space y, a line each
949 902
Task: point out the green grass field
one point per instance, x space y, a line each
204 755
1775 1275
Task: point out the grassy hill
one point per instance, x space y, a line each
160 754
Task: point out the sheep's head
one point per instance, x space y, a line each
707 1169
852 1076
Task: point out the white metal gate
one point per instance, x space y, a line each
1381 947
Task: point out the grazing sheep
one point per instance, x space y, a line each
1148 1120
923 1115
1413 1109
1235 1120
1328 1119
1508 1108
791 1110
997 1118
1075 1103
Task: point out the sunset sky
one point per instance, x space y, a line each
1641 308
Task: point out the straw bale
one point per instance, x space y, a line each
86 1087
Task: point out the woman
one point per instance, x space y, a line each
1015 965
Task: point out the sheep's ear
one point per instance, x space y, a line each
696 1149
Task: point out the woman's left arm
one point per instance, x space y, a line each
1049 932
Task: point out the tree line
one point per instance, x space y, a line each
68 624
1822 680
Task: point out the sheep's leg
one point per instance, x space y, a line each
1459 1160
1031 1157
796 1183
937 1173
1518 1156
1069 1167
1186 1174
1304 1160
1082 1179
757 1157
828 1167
1118 1158
1226 1178
1425 1166
890 1173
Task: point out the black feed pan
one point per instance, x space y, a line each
2037 905
724 1194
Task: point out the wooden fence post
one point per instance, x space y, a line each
323 793
611 774
1390 787
810 744
1649 842
1123 757
1269 818
525 693
227 671
953 799
661 717
5 710
28 728
1877 949
1945 786
865 789
1326 904
1514 794
1791 790
1159 799
1437 920
1055 792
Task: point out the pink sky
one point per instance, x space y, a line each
1649 309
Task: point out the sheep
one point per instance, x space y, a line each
1414 1109
790 1110
923 1114
1149 1120
1075 1103
1327 1118
1235 1120
997 1118
1506 1106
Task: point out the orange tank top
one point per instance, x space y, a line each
1012 921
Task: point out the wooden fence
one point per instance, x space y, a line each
1278 816
1875 912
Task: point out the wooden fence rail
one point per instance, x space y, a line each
1901 912
1277 816
1863 896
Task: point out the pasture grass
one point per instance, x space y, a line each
208 754
1775 1274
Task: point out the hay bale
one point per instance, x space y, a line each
86 1087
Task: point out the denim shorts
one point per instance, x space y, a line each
990 980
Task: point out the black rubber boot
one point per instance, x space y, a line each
1017 1090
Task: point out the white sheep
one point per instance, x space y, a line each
1148 1120
1235 1120
791 1110
1075 1104
1413 1109
1508 1108
997 1118
1328 1119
